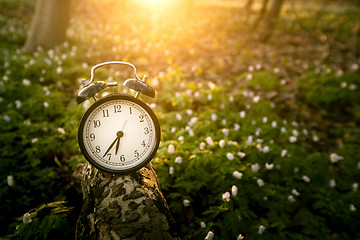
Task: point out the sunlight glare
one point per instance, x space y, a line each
153 2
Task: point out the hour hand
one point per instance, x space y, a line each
119 135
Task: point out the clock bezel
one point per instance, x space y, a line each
115 97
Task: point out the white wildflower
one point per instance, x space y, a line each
192 121
222 143
171 149
260 182
59 70
209 97
189 112
355 186
230 156
46 104
202 146
236 127
237 174
209 236
10 181
265 119
181 138
209 141
261 229
34 140
178 160
249 76
226 197
352 208
6 118
257 132
223 122
291 198
274 124
18 104
295 132
295 192
234 190
343 84
225 131
186 202
249 139
332 183
213 117
283 130
240 237
269 166
334 158
241 154
283 153
191 133
26 82
256 99
61 130
178 117
27 218
203 225
305 132
242 114
354 66
315 138
255 167
266 149
292 139
171 170
352 87
306 179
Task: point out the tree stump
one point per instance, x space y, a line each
123 206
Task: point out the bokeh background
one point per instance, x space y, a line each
258 102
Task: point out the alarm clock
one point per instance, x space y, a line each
118 133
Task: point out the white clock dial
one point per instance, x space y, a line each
119 134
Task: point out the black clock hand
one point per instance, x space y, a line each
117 139
119 135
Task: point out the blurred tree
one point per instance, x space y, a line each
270 19
49 24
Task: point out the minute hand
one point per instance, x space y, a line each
112 144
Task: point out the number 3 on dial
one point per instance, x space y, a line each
119 134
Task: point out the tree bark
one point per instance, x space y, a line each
49 24
270 20
123 206
261 14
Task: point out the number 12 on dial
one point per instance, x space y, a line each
119 134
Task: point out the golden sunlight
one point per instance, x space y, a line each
153 2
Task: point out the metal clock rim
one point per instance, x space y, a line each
118 96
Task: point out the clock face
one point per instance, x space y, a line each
119 134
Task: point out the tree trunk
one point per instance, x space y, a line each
49 24
270 20
261 14
123 206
